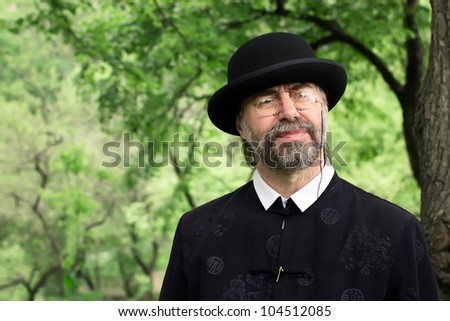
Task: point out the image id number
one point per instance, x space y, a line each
296 311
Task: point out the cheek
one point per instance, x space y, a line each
258 125
315 119
264 126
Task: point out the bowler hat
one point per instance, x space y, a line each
270 60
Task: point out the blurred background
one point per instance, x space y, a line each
105 141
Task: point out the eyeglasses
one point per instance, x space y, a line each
271 105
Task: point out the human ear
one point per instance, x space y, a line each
239 127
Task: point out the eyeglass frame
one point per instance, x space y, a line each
310 96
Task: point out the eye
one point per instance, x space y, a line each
266 103
302 96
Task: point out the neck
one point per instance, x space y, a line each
287 183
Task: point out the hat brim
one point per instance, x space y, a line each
224 105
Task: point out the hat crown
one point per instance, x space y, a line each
267 50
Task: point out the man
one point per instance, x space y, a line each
296 231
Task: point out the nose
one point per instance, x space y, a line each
288 111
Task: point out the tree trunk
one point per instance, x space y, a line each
433 135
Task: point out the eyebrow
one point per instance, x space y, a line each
271 91
301 85
266 92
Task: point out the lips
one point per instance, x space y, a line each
292 133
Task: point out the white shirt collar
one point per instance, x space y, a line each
303 198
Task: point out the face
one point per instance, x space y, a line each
284 127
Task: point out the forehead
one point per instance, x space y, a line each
294 85
275 89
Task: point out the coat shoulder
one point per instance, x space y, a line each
374 203
219 207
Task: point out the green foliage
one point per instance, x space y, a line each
371 150
72 161
59 208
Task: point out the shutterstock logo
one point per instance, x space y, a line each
185 152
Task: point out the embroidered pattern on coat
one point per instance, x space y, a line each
419 251
307 278
214 265
365 250
352 295
410 295
329 216
247 288
207 223
273 245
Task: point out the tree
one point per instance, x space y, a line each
41 166
60 213
70 230
433 136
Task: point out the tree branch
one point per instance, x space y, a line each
151 265
340 35
136 255
146 268
17 199
44 277
168 22
32 290
11 284
96 223
180 174
323 41
414 50
279 9
36 208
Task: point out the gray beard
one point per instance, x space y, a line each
288 156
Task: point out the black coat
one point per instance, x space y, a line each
348 245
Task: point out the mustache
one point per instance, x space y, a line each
282 127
